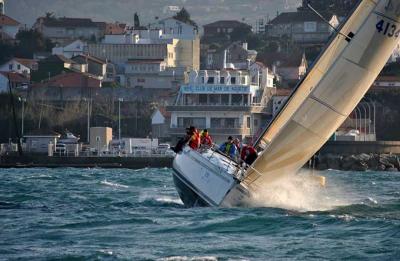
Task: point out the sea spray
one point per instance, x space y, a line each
301 192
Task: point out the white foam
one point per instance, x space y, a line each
111 184
165 199
299 192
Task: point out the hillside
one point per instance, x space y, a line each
203 12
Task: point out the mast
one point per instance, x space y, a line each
343 84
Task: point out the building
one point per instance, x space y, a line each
100 138
303 27
160 122
236 54
175 52
227 102
115 28
174 29
71 49
39 141
8 28
93 66
16 80
223 28
54 65
20 65
153 74
63 29
279 99
71 80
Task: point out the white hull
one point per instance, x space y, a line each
208 179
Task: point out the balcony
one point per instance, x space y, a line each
238 108
215 131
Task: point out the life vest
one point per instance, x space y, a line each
194 142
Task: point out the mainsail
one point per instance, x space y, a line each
314 76
342 81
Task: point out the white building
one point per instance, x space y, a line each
152 74
71 49
226 102
174 29
20 65
8 27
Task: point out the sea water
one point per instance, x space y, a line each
121 214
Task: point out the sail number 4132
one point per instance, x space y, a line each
387 28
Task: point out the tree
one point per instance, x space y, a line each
184 16
31 41
136 22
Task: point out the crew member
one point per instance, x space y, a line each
248 154
194 141
205 138
229 148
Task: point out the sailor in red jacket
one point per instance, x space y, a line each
205 138
248 154
194 141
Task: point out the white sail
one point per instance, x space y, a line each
334 97
331 53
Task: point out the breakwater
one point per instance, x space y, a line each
360 162
8 161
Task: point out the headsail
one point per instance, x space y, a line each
304 88
343 84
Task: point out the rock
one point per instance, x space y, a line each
333 161
394 160
392 170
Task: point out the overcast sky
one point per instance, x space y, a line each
202 11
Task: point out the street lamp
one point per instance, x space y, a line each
88 118
119 119
22 100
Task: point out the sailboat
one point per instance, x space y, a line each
319 105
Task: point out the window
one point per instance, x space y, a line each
255 123
222 80
243 81
224 99
202 99
10 67
237 99
184 122
214 99
18 67
248 122
141 80
210 80
233 80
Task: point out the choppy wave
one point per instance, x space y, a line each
112 184
87 214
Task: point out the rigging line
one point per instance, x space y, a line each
348 37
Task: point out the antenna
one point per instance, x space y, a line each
348 37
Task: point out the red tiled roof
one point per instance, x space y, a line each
283 92
72 79
115 28
30 63
164 112
6 20
89 57
15 77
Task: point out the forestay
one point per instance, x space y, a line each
341 84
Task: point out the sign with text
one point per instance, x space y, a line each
217 89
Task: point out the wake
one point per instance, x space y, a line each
300 192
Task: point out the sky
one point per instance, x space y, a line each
202 11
